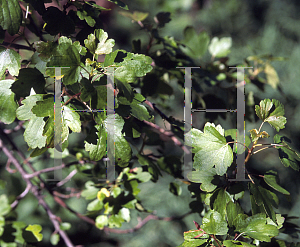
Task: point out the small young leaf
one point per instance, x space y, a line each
35 229
104 46
220 48
101 221
275 118
271 74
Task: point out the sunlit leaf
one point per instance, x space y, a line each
8 105
220 48
9 59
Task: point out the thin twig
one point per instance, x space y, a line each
35 191
19 197
143 222
168 134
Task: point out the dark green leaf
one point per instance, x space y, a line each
266 198
119 3
29 78
270 178
287 155
162 18
10 16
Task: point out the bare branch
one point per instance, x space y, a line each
143 222
22 195
35 191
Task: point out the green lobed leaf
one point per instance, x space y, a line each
101 221
220 48
205 177
132 67
24 112
97 149
287 155
35 229
9 59
8 105
29 78
66 54
104 46
10 16
275 118
211 149
212 223
257 228
270 178
84 16
45 49
196 45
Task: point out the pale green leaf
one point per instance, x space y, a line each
35 229
101 221
97 146
104 46
220 48
8 104
9 59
